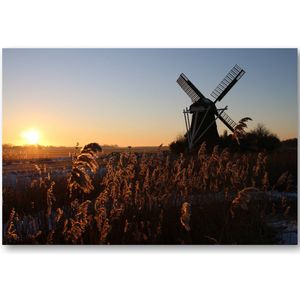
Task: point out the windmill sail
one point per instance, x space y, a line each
227 120
227 83
189 88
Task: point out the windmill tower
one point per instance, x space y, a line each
202 125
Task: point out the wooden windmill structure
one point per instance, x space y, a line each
204 113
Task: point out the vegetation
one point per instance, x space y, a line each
213 197
258 139
13 153
180 145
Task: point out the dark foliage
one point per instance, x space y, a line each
180 145
291 143
257 140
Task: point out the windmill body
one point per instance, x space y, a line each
202 125
203 117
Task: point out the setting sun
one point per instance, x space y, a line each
31 136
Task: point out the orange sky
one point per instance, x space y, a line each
130 97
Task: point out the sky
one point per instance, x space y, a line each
130 96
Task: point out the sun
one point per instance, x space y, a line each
31 136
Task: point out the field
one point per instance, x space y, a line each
13 154
149 196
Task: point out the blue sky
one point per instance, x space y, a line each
130 96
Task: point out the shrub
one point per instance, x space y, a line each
180 145
260 138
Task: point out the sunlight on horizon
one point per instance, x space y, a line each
31 136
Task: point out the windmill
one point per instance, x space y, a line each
202 125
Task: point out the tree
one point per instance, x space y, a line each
261 131
261 138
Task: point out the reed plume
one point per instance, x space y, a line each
84 164
186 212
239 129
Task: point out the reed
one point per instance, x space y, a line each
148 198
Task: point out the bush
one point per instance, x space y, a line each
180 145
258 139
261 138
290 143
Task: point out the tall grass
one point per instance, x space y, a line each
148 198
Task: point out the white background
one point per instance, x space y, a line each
149 272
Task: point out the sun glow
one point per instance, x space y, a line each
31 136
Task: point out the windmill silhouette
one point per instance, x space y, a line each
204 112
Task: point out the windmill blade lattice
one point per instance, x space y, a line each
227 83
189 88
227 120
